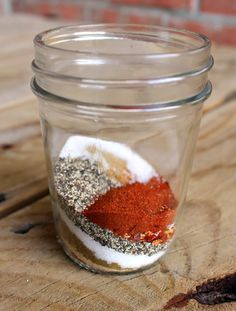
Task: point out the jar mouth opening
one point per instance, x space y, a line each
171 42
120 64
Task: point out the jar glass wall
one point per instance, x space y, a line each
120 109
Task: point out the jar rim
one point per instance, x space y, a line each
45 39
118 83
196 99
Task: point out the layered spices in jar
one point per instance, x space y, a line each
115 212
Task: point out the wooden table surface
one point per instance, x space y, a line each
34 272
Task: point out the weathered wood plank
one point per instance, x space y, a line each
23 196
37 275
22 166
21 151
16 53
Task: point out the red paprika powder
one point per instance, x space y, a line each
138 211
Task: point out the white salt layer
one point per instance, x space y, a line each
82 146
109 255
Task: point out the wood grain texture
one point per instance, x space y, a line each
21 151
34 272
22 165
37 275
23 196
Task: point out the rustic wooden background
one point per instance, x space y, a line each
34 272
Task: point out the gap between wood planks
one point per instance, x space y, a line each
22 196
29 193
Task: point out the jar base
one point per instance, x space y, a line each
89 268
81 256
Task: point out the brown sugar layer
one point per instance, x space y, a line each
81 252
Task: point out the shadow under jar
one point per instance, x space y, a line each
120 108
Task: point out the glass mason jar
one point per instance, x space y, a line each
120 107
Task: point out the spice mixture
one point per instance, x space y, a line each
80 182
132 217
